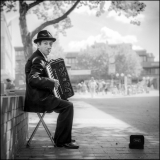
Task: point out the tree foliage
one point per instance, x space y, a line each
56 13
96 58
127 61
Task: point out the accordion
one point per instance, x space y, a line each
56 69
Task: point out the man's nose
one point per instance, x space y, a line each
49 46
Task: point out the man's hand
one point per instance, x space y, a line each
56 84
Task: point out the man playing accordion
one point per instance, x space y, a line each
39 95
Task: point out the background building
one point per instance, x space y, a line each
20 65
150 67
76 75
71 59
7 51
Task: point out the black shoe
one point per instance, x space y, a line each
70 146
61 145
72 140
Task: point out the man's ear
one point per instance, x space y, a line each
38 44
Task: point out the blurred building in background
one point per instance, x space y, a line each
76 75
7 50
20 68
71 59
150 67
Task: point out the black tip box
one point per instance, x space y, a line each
136 142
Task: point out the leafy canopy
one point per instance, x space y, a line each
97 59
48 10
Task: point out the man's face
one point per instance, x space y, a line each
45 47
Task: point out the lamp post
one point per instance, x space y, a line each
129 83
122 79
148 84
117 75
122 75
129 79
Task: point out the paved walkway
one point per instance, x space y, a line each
100 136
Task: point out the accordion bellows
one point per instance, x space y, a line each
56 69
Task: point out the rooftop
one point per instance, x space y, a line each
71 54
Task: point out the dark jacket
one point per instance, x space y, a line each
39 87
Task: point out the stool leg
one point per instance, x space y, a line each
46 128
28 142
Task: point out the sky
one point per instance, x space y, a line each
109 27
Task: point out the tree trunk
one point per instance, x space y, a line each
28 47
25 35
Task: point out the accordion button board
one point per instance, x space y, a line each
56 69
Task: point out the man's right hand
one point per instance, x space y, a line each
56 84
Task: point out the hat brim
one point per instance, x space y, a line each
40 39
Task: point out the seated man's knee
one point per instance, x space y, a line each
69 106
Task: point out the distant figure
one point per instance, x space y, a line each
92 86
79 86
101 86
9 84
84 87
106 88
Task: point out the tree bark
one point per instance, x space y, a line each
25 35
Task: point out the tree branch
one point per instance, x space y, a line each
45 24
72 8
34 4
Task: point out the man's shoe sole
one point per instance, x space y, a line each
75 147
68 147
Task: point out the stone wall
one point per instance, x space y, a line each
14 125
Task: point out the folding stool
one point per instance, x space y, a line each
44 125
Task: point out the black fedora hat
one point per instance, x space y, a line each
44 35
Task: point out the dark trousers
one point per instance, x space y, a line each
64 122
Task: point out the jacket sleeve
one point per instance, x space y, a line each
37 77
